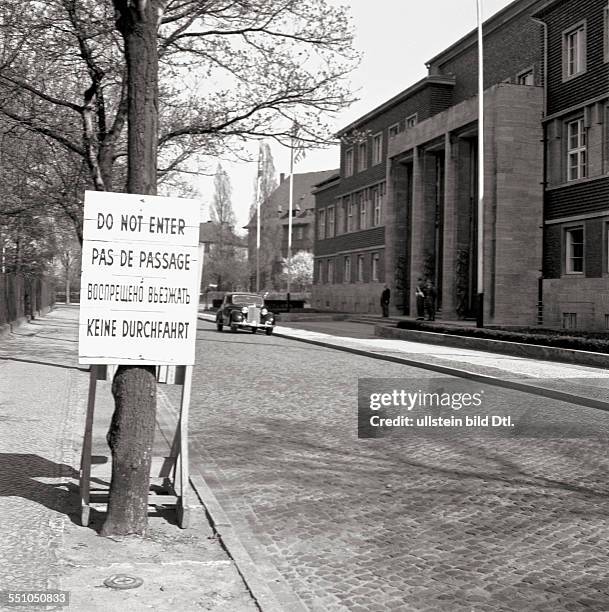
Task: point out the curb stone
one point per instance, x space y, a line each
272 594
517 349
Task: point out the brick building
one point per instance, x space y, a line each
576 130
404 204
275 222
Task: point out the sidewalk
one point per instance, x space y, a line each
43 395
348 335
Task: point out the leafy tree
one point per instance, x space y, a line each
225 264
76 72
27 244
30 203
244 70
299 267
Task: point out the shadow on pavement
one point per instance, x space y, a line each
20 478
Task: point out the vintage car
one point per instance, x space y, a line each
244 311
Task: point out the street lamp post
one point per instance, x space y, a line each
480 244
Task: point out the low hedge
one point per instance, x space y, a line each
597 342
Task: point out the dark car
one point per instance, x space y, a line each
244 311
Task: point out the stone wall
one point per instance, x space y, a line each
349 297
582 296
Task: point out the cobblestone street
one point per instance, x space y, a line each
400 523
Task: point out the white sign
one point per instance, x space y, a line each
139 291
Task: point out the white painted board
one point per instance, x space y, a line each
139 286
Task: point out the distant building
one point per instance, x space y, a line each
275 222
210 236
224 257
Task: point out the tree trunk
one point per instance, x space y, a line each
131 437
131 433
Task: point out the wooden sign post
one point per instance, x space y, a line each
139 300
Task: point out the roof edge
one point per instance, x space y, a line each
542 10
433 79
489 25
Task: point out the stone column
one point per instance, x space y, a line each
417 234
449 264
389 218
400 237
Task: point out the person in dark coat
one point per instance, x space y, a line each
430 300
385 297
419 293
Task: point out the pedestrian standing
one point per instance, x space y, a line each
385 298
420 297
430 300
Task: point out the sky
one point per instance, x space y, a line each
395 38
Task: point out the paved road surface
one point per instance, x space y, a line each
440 524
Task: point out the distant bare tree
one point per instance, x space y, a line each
221 210
67 256
270 226
226 265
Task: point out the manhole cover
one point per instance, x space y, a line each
122 581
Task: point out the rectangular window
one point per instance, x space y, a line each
574 250
330 222
377 148
607 247
606 32
363 210
411 121
377 205
375 267
330 272
299 232
340 218
347 270
394 130
576 150
526 78
349 162
321 224
574 51
320 270
362 157
360 268
351 214
569 320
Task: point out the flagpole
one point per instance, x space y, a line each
258 221
290 205
480 254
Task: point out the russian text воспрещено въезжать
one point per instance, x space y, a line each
112 292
